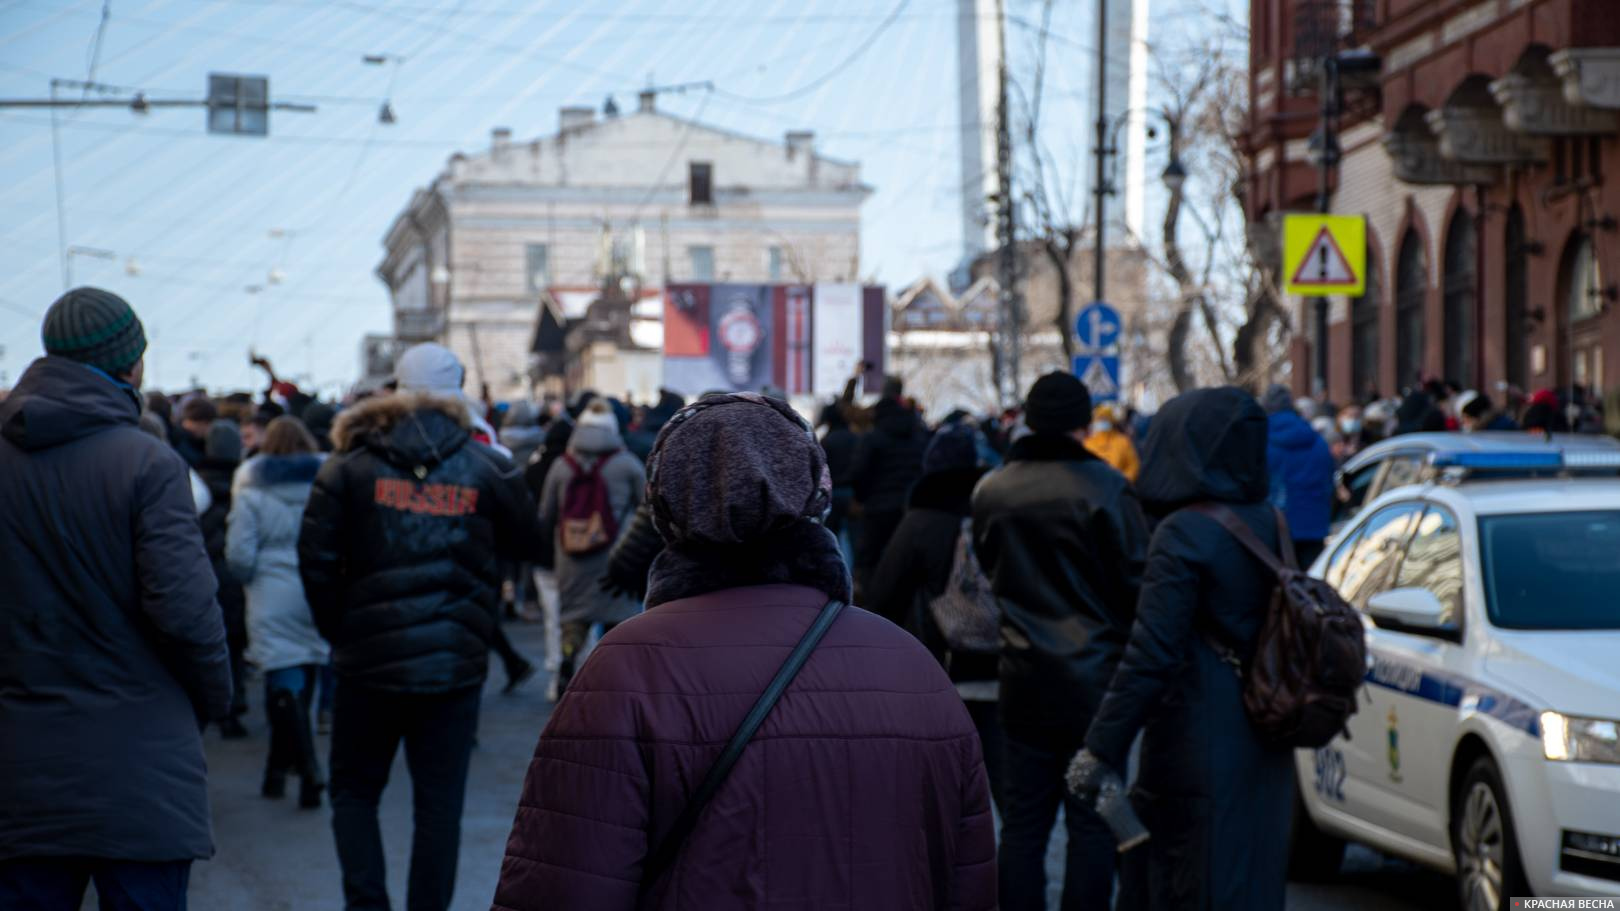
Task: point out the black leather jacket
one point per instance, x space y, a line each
1063 540
401 544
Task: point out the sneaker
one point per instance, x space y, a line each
524 674
323 723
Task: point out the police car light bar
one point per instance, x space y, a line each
1592 459
1500 461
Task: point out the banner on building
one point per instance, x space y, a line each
800 339
838 336
717 337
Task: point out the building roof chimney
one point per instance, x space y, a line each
574 117
500 137
646 101
800 141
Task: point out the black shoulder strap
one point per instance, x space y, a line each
663 857
1250 541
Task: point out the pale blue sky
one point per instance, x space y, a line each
197 212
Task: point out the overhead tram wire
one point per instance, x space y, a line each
829 75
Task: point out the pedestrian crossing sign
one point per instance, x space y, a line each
1325 255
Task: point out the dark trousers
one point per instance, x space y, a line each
59 883
367 728
1032 790
992 743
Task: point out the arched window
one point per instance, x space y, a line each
1516 288
1411 289
1364 333
1584 296
1460 298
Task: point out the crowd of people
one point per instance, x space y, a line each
1034 584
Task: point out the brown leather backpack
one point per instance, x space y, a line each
1301 683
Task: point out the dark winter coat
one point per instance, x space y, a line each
111 644
888 460
218 474
640 441
1062 538
916 566
633 554
863 791
401 544
535 471
1300 464
1216 800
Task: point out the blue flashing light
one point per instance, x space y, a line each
1546 459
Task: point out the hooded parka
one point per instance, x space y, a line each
261 546
1215 799
401 544
111 642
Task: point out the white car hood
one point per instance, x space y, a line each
1574 672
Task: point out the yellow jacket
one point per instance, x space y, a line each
1114 447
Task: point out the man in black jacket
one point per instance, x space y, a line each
111 645
888 461
1063 540
400 555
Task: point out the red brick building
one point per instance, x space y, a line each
1481 138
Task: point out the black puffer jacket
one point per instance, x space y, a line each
1062 538
402 540
889 458
1215 799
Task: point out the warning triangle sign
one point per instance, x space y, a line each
1098 381
1324 263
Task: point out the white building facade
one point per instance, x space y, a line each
645 198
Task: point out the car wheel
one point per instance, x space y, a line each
1313 855
1483 842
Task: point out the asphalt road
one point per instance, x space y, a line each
274 857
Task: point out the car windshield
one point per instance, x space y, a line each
1552 570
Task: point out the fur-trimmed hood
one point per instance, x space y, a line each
409 429
271 471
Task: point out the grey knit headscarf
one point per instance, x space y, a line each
734 468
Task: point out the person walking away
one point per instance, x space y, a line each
432 369
261 548
104 566
863 790
929 582
222 455
1111 443
1300 467
1062 538
399 551
589 498
838 443
887 462
1215 799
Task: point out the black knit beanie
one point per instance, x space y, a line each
1057 403
94 327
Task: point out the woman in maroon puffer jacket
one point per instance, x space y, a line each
864 788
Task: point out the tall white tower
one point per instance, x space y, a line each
1125 93
978 50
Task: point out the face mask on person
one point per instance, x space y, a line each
1349 426
1102 426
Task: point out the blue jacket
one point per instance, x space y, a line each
1301 467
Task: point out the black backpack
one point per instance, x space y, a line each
1301 683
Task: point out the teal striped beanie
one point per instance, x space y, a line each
95 327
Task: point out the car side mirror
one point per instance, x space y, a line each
1413 608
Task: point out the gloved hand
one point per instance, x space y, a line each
1095 782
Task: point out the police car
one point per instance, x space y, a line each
1487 743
